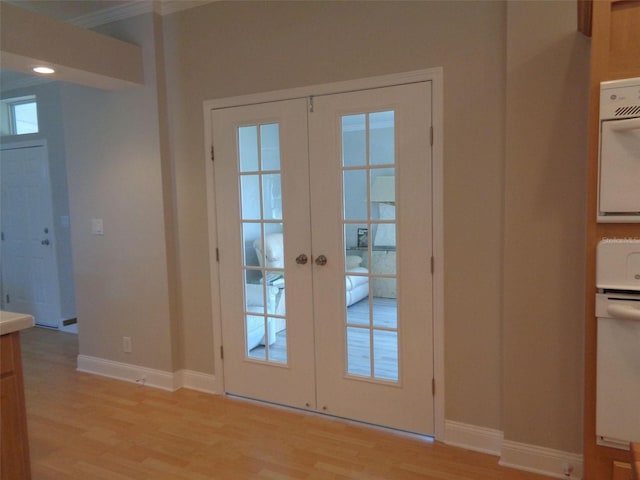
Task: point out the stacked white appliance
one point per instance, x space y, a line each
618 361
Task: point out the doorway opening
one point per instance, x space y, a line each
353 269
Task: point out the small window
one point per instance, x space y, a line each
19 115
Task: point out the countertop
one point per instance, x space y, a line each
13 322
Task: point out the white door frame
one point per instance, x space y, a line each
435 75
56 279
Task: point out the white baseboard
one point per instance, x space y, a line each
202 382
545 461
521 456
149 377
471 437
130 373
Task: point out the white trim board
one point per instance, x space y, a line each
433 75
521 456
201 382
148 377
132 9
471 437
542 460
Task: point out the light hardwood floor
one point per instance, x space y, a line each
87 427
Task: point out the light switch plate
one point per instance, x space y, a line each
97 227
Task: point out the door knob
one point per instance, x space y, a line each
321 260
45 241
301 259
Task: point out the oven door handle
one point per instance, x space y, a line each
624 312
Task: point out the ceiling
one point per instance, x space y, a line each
63 10
87 14
67 10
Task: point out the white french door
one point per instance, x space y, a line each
324 220
262 148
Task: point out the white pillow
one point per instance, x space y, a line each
352 261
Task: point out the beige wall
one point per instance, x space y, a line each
545 208
514 200
234 48
115 172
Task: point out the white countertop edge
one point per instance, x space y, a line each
14 322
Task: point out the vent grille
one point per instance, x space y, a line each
627 111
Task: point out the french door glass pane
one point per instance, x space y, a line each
270 146
359 351
385 310
382 138
272 196
251 231
355 205
354 140
250 187
385 347
248 148
262 242
369 225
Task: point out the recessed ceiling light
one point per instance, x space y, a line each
44 70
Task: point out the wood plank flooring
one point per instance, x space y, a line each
87 427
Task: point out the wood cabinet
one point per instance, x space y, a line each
621 471
635 461
615 54
14 444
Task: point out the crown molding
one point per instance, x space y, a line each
133 8
168 7
112 14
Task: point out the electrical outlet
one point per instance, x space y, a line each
126 344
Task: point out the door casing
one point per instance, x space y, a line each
435 75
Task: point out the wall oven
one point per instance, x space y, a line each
618 362
619 154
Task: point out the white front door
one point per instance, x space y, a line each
325 241
29 264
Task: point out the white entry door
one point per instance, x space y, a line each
29 264
325 242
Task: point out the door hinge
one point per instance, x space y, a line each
2 236
8 299
433 386
310 104
221 352
431 135
433 265
213 157
217 255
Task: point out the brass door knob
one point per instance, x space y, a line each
321 260
302 259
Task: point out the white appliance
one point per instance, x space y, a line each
618 361
619 154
